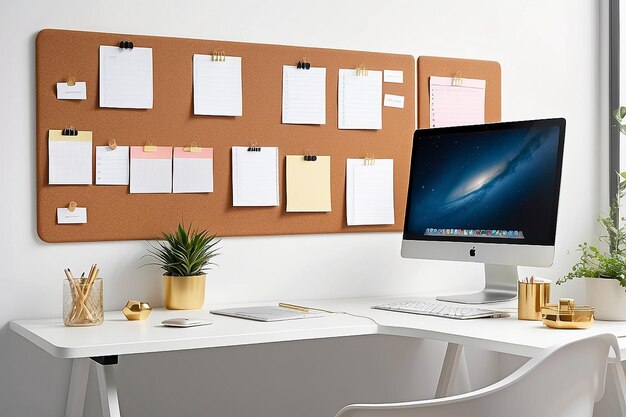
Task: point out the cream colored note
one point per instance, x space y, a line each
304 95
255 176
360 100
125 77
69 158
308 184
456 103
369 192
217 86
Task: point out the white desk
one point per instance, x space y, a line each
117 336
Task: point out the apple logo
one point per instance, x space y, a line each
473 251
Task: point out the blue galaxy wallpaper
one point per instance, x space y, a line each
499 179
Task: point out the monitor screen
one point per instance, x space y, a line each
494 183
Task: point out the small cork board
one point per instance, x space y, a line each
115 214
490 71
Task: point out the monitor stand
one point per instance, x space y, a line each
500 285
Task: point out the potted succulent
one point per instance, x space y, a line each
604 268
184 256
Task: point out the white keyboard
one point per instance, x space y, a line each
440 310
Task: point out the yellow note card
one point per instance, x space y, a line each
308 184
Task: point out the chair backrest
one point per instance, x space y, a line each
564 381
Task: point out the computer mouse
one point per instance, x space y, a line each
185 322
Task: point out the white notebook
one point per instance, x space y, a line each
266 313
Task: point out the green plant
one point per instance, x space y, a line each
185 252
611 261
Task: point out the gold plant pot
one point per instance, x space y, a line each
183 293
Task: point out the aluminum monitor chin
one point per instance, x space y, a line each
486 193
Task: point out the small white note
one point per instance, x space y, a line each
125 77
369 192
392 100
78 91
112 165
193 171
217 86
304 95
78 216
394 76
360 100
69 158
255 177
456 103
151 172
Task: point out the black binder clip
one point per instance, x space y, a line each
310 157
253 147
304 64
126 45
69 131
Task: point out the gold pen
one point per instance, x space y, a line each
294 307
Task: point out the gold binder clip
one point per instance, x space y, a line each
150 147
457 81
369 159
194 148
112 144
304 64
254 147
72 206
361 70
219 55
310 156
71 81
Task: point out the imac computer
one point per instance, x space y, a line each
485 193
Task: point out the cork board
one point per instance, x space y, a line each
465 68
115 214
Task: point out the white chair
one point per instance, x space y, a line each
564 381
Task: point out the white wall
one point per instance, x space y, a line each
549 56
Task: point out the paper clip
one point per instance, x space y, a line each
72 206
69 131
112 144
310 156
304 64
193 148
219 55
457 81
369 159
253 147
361 70
150 147
126 45
71 81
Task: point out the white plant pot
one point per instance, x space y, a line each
607 297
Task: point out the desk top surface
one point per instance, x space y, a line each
117 336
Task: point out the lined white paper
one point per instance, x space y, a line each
304 95
456 105
394 76
112 165
193 171
392 100
255 177
369 192
150 172
69 158
78 91
360 100
78 216
217 86
125 77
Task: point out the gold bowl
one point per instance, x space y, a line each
566 315
137 310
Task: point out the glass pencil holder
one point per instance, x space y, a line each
82 303
531 298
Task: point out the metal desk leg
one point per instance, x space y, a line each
454 369
105 367
619 379
78 387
